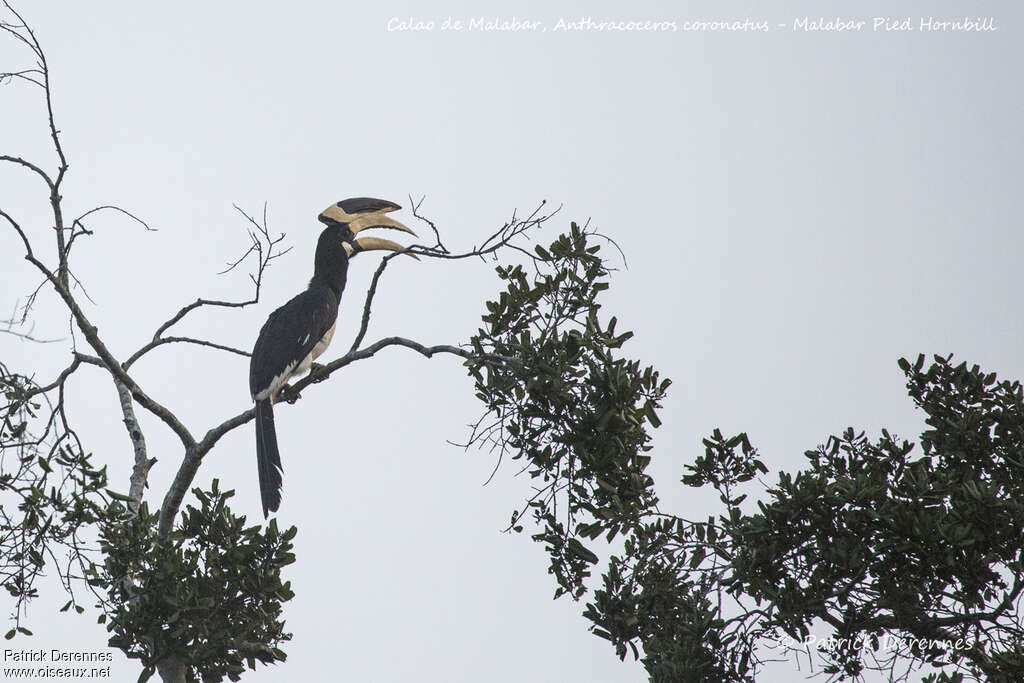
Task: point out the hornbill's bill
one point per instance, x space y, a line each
298 332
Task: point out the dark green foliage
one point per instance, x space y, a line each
213 592
50 495
651 597
903 557
877 541
559 399
211 596
667 588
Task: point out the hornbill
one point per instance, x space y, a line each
298 332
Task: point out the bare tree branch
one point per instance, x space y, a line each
32 167
118 209
263 245
64 374
367 303
194 456
106 360
179 487
321 373
415 207
501 238
25 75
59 280
21 233
8 327
185 310
266 248
182 340
78 228
140 472
24 33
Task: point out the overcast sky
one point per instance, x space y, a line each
799 208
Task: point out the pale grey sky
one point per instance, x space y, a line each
798 210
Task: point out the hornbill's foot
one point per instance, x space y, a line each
287 394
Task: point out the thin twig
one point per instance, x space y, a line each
266 247
7 327
29 165
415 207
502 238
64 374
180 340
78 228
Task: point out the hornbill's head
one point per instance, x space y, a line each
350 216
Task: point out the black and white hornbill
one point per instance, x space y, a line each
298 332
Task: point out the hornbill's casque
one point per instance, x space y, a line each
298 332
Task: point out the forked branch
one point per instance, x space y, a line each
265 248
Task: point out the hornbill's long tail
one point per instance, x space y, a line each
268 458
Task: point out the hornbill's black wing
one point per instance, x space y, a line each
289 335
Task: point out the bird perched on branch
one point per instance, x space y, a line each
298 332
